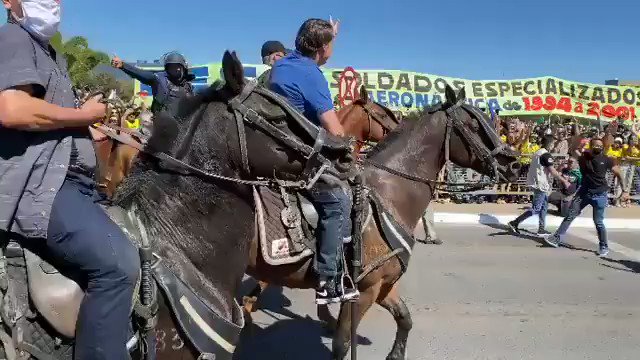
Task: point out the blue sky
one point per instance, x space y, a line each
583 40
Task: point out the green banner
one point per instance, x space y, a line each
406 91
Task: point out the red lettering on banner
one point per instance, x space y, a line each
347 86
564 104
537 104
594 109
623 111
550 103
579 108
609 111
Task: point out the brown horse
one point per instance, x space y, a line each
401 170
366 121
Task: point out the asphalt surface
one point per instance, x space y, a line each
483 294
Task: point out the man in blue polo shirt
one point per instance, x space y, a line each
299 79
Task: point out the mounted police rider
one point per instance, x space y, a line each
299 79
168 86
47 190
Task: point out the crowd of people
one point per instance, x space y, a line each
569 139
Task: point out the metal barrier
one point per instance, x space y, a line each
455 175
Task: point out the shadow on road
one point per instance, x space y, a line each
492 222
572 247
630 265
295 337
285 339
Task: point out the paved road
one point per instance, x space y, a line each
483 294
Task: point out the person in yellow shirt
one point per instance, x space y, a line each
616 149
133 124
632 151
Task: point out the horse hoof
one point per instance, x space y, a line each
396 355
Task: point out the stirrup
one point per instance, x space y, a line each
355 294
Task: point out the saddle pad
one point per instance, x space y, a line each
207 331
279 246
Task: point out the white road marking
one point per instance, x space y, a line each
613 246
552 221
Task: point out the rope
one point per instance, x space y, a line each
195 171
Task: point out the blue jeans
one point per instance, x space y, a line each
598 202
334 225
83 240
539 206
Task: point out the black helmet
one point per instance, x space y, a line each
175 58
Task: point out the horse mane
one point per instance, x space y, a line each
411 123
166 126
396 135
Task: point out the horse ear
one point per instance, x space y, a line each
233 72
364 95
450 95
462 94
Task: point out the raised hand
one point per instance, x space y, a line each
116 62
335 25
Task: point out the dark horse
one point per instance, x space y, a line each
401 171
202 225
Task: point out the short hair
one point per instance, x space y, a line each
313 35
547 141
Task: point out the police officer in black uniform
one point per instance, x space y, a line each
168 86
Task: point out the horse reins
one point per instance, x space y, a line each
388 123
487 157
242 114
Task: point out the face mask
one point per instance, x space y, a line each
41 18
176 73
596 151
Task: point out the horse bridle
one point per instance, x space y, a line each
388 122
243 115
488 157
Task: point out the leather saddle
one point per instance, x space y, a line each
57 298
332 144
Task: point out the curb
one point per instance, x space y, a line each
553 221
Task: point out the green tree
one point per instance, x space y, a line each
82 61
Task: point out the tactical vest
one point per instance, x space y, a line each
168 93
265 79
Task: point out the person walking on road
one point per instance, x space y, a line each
594 165
542 166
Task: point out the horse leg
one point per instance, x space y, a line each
398 309
325 316
342 337
430 231
249 301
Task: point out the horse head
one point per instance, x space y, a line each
474 142
367 120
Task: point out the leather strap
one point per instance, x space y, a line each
242 134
